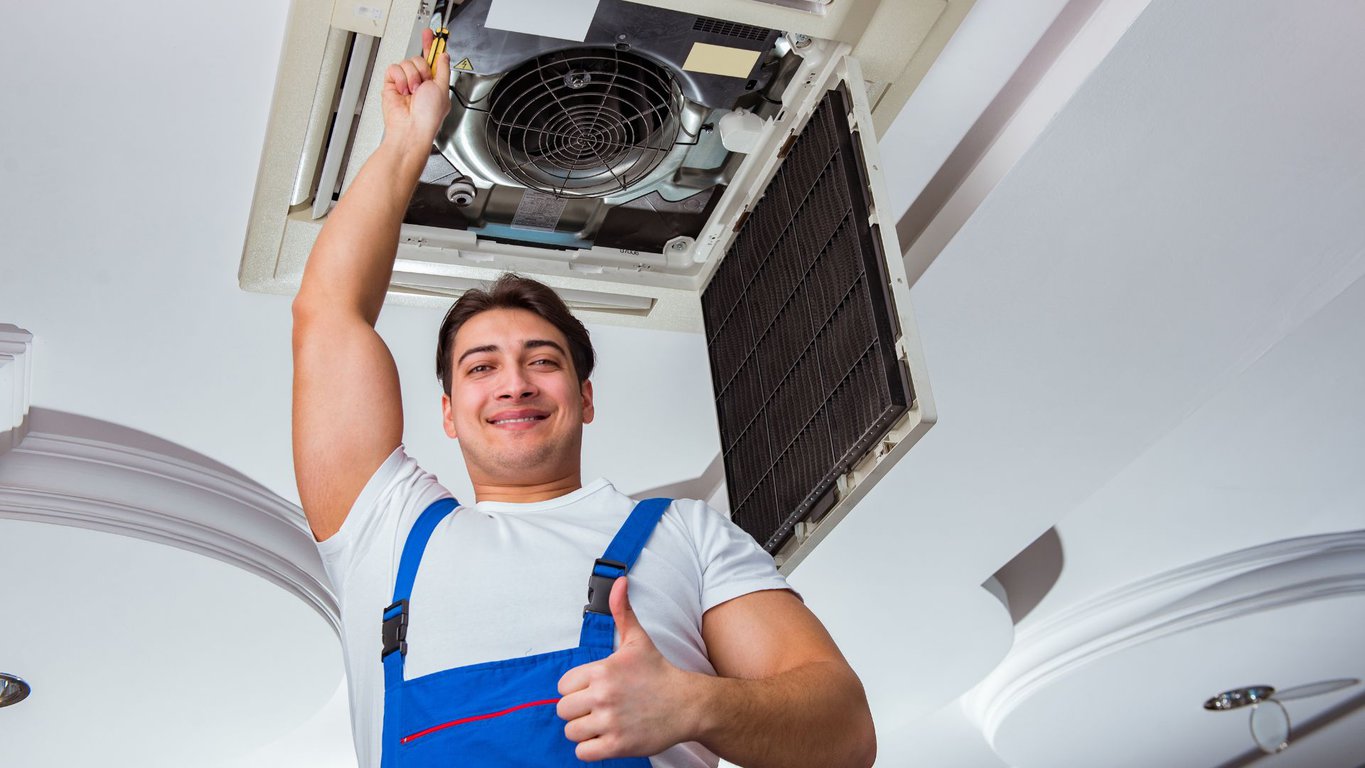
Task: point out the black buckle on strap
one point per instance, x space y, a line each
396 629
599 587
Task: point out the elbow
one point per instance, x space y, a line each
309 313
862 745
316 306
864 748
868 755
303 316
302 309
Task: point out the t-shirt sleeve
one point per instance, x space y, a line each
393 495
732 563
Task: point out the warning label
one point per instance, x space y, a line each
538 210
465 65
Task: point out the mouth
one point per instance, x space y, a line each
520 419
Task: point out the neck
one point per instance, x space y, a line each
525 494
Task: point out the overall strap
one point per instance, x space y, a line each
599 629
395 626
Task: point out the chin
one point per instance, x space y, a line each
524 459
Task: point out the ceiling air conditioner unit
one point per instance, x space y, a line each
707 165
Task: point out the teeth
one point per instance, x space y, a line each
517 421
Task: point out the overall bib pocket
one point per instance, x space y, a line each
498 714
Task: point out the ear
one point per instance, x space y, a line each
448 417
586 390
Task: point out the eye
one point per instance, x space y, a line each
480 368
546 361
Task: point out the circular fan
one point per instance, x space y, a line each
586 122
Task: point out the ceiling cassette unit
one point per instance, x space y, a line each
708 166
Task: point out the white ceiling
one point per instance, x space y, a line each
1148 335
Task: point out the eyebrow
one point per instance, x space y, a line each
530 344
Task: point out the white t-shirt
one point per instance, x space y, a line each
501 580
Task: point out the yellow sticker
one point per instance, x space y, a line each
720 60
465 65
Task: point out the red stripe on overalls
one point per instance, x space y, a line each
475 718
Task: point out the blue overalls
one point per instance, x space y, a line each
498 714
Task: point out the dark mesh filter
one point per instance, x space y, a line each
800 333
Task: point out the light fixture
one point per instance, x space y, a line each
12 689
1239 697
1269 719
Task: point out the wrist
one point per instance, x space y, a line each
700 698
407 155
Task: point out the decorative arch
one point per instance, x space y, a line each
83 472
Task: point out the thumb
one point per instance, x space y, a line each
627 625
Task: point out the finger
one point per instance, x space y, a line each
415 71
396 78
442 72
427 37
599 748
574 706
419 71
421 66
583 729
626 623
576 679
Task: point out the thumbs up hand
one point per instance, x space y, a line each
633 703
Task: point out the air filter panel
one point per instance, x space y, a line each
802 332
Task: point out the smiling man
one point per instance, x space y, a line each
465 634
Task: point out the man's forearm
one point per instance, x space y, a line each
352 261
813 715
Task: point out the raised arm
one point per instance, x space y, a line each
348 414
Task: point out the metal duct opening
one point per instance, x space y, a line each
584 122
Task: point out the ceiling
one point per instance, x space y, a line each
1144 341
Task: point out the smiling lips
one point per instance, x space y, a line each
518 419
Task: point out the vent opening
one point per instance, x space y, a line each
730 29
585 122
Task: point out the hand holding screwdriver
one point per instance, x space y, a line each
416 96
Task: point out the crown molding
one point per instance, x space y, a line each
1249 581
16 384
81 472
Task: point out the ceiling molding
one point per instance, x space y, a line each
1224 588
1083 34
16 384
81 472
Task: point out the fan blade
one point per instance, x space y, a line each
1315 689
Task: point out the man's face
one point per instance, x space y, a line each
515 403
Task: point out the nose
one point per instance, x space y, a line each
515 385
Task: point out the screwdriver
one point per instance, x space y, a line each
438 47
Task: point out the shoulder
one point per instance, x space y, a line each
386 508
730 561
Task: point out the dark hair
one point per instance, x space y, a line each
512 291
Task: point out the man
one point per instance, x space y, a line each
721 659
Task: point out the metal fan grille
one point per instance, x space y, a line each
585 122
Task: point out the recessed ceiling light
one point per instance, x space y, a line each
12 689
